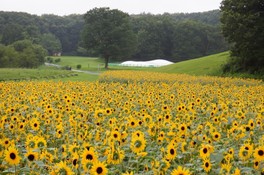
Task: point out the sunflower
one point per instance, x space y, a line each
31 156
62 168
216 136
180 171
128 173
99 168
138 144
11 156
204 151
259 153
256 164
35 124
47 156
115 135
73 148
41 142
184 147
236 172
6 142
245 151
132 122
88 156
207 165
75 160
171 152
115 156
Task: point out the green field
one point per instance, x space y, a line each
87 63
43 73
209 65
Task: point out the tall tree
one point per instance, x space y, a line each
108 33
51 43
243 24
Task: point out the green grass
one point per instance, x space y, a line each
209 65
80 77
43 73
87 63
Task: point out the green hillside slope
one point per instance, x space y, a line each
209 65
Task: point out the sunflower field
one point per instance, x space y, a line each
131 122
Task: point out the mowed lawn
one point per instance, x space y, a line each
87 63
209 65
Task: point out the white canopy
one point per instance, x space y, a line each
152 63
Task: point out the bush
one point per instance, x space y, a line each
57 60
79 66
49 60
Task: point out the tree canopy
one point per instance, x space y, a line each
108 33
243 24
23 54
174 37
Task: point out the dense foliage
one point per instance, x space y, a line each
243 24
108 33
22 53
174 37
177 37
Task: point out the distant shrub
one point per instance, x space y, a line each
79 66
66 68
57 60
49 60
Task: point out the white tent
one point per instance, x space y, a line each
152 63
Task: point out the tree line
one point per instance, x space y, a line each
174 37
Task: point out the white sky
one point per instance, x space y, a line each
66 7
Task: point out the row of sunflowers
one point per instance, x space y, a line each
133 123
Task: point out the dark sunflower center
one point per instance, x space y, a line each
89 157
13 156
74 162
205 150
182 128
35 124
99 170
216 136
115 135
261 152
31 157
172 151
246 148
206 164
256 163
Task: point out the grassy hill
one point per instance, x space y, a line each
209 65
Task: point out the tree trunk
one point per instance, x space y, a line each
106 61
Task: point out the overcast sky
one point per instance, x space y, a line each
66 7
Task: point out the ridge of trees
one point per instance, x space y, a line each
175 37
